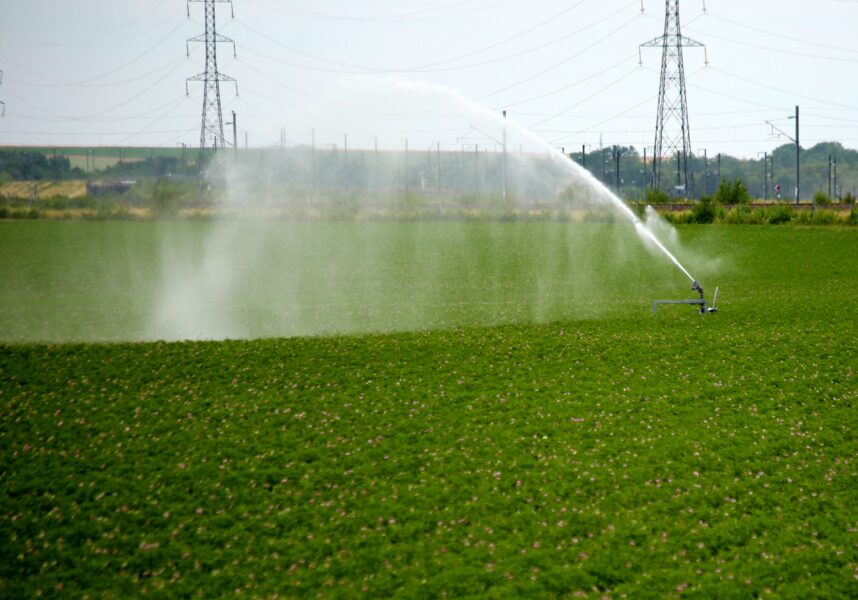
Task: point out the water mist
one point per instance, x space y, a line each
382 229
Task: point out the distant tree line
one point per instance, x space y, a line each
151 167
23 165
480 172
760 176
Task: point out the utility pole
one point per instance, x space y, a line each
765 172
438 169
794 140
797 158
705 172
584 155
679 185
836 185
672 130
2 104
644 186
772 174
829 176
477 189
211 130
503 188
234 124
719 169
313 160
618 180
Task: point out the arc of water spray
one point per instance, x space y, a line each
641 229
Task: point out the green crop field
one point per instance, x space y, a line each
537 433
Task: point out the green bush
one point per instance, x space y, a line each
853 217
780 214
707 211
684 217
739 215
821 197
733 192
824 217
657 196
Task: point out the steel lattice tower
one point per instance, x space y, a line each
2 104
211 131
672 131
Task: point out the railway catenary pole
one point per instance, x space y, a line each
797 160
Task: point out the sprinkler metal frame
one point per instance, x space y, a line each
700 302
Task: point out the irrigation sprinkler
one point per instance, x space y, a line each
700 302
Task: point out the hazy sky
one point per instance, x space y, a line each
100 72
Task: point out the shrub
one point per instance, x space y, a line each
821 197
853 217
706 211
824 217
684 217
657 196
780 214
737 216
733 192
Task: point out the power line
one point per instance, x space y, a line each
430 67
414 16
173 102
172 63
110 109
122 67
782 91
782 51
588 98
562 62
83 43
608 120
268 77
781 36
564 88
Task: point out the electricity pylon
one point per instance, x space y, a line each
672 131
2 104
211 131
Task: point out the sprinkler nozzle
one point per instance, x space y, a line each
696 287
